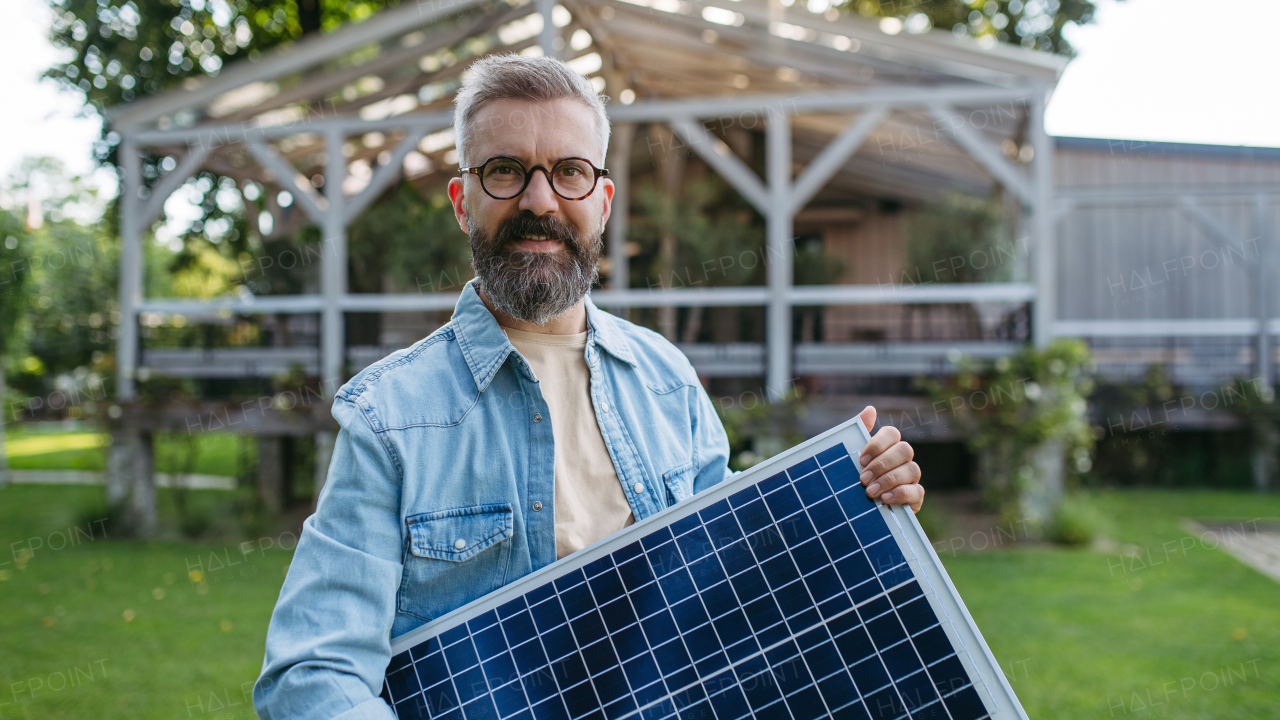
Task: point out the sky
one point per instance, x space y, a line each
1171 70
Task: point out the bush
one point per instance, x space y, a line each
1076 523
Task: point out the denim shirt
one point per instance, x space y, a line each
441 490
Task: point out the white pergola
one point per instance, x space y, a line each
845 109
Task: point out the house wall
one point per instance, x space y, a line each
1152 262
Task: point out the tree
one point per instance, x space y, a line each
122 51
1034 24
13 262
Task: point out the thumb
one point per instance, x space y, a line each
868 418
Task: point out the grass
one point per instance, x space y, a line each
1083 633
125 618
1080 633
215 453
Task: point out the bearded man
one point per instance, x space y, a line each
530 426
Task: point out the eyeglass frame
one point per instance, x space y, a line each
528 176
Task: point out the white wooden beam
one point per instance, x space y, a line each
946 118
833 156
287 176
171 181
383 176
748 296
351 124
1224 327
924 294
816 102
214 307
720 157
640 111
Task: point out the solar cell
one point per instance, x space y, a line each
783 593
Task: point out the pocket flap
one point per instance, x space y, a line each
459 533
677 482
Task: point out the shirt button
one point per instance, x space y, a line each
604 407
537 506
639 488
537 417
460 544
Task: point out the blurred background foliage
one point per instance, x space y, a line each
960 239
1035 24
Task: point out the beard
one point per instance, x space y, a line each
535 287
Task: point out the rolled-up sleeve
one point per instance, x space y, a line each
328 643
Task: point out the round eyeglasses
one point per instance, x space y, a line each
504 178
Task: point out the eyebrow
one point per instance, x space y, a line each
526 163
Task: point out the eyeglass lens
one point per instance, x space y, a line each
570 178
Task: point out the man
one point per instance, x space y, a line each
530 426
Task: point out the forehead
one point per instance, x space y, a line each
534 131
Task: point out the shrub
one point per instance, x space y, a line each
1076 523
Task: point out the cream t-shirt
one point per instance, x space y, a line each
589 501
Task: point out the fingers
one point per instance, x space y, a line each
912 495
881 441
902 475
889 473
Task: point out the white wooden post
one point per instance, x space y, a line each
779 243
1043 224
547 38
130 269
333 263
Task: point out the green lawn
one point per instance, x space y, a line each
215 453
1077 633
1092 634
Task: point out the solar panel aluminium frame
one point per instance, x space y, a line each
988 679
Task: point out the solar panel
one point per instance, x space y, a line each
782 593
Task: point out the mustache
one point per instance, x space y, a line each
526 224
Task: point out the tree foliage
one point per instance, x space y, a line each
959 239
1034 24
14 248
410 240
713 228
58 292
122 51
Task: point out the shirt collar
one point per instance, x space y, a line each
606 333
485 346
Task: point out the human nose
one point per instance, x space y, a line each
539 198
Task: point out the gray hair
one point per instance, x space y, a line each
540 79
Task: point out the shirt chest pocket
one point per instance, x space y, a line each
454 556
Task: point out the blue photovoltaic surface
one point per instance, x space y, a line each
789 599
